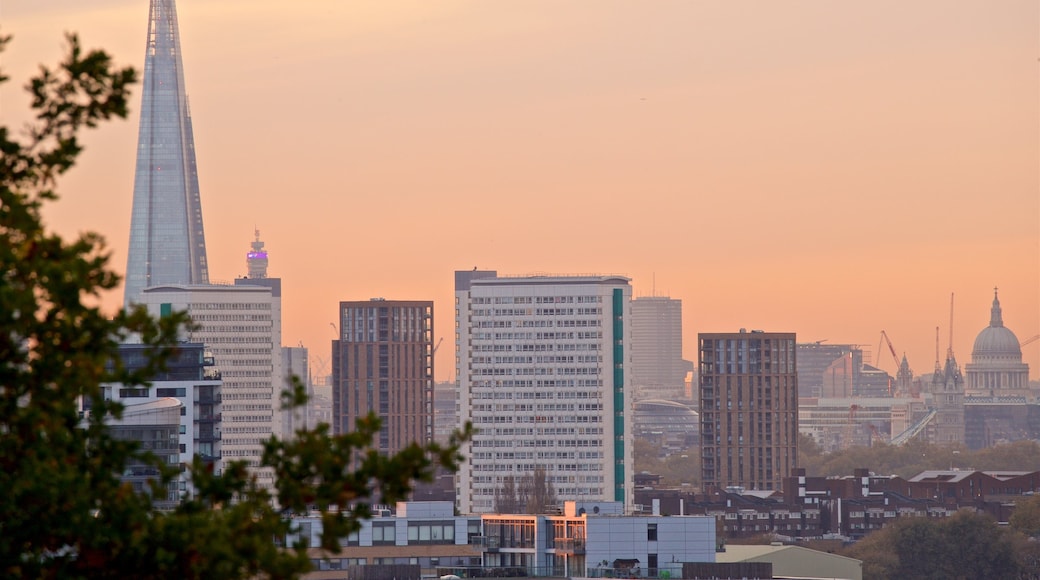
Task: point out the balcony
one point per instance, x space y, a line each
489 543
569 545
208 437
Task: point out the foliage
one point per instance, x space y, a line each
916 456
1026 517
677 468
534 494
64 513
966 545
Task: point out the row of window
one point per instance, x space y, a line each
228 306
584 299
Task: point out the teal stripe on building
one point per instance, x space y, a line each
619 394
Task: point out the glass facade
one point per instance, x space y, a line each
167 245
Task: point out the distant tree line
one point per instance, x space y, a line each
916 456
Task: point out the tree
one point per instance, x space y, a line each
537 492
965 545
1026 517
506 501
63 510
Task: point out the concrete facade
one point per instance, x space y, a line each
543 368
241 326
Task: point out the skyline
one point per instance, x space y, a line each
568 138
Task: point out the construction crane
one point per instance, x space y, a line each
891 349
1029 340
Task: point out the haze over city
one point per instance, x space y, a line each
826 169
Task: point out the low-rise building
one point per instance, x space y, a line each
588 538
796 561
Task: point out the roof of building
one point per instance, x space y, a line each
954 475
795 561
996 339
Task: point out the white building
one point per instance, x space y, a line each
588 539
191 378
154 426
241 326
543 363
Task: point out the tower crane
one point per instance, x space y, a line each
1029 340
891 349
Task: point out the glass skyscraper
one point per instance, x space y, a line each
167 244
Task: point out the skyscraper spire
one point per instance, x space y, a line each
167 244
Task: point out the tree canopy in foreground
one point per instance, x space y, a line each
63 511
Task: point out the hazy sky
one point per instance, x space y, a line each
828 168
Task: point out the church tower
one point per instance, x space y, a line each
948 395
167 245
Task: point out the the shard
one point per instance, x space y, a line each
167 244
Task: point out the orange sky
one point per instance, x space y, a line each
828 168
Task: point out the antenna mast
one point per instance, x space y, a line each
949 349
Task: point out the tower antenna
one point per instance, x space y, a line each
949 349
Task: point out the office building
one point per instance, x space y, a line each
542 367
167 245
241 327
256 265
829 370
658 368
296 363
749 409
587 539
383 364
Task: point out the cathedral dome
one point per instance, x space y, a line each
996 340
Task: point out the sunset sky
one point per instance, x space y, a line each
829 168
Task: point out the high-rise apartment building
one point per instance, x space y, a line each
658 368
543 367
191 377
749 409
167 245
383 364
241 327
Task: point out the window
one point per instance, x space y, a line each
384 534
651 533
432 533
